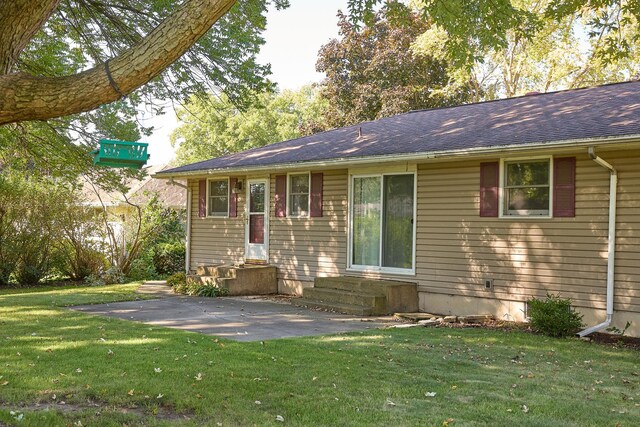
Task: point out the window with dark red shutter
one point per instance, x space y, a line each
233 198
564 187
316 195
281 196
202 198
489 185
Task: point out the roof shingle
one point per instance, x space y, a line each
598 112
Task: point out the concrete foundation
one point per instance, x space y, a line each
460 305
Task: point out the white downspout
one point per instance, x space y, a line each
613 190
187 257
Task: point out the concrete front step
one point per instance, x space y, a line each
222 270
357 284
378 296
338 296
356 310
245 280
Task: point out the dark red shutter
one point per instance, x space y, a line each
281 196
564 187
233 198
202 198
489 177
316 195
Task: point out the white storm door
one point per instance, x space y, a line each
257 221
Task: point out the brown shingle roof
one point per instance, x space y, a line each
591 113
139 191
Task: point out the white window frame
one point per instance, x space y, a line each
502 212
289 194
226 215
380 269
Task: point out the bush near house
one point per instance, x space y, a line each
42 233
179 284
554 316
45 233
156 242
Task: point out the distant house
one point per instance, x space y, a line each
481 206
139 193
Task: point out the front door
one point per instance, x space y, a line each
257 221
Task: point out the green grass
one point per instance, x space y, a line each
114 372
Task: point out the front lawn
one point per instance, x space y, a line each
90 370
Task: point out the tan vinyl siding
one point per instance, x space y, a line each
215 240
304 248
457 249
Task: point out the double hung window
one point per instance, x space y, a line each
526 188
218 197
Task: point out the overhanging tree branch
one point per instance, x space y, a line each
27 97
19 21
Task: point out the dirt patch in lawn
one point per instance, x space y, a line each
101 409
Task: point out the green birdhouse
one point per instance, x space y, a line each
121 154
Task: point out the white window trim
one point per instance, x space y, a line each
289 204
501 189
209 198
379 269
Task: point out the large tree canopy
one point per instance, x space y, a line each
372 72
560 55
472 26
60 59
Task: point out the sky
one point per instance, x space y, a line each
292 40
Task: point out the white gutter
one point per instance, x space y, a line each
611 250
431 155
187 256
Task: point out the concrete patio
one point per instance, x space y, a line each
236 318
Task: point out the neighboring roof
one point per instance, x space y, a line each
139 192
601 112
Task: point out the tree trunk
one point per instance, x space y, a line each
27 97
19 21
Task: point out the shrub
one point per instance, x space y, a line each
169 258
208 290
177 279
554 316
179 284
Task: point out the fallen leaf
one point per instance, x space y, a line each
4 383
130 392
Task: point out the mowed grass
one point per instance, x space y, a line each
114 372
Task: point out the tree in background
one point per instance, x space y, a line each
558 55
372 72
474 26
214 127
